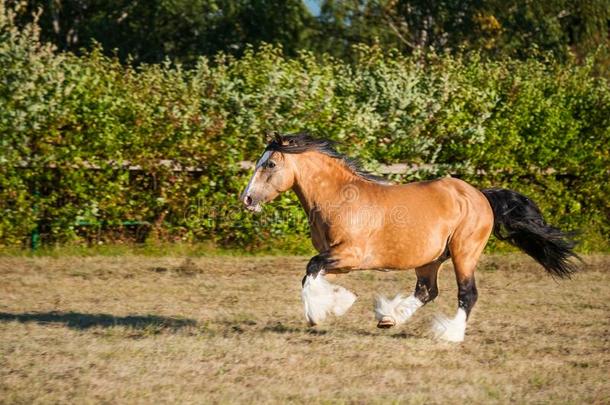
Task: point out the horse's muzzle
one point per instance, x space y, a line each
251 204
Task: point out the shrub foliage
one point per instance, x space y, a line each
87 143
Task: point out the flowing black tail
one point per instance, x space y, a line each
519 221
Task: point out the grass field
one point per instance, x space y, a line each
133 329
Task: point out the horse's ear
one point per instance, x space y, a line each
271 136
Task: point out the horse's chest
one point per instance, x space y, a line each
344 227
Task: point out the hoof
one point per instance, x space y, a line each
450 330
321 298
395 311
386 322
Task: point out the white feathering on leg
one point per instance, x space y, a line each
451 330
321 298
400 308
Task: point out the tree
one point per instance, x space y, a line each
151 30
498 28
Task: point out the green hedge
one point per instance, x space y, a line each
71 126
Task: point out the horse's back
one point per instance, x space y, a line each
448 194
457 201
422 217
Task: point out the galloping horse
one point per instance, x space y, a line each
359 221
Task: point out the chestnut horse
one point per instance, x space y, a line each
359 221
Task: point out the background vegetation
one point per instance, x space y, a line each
151 30
89 141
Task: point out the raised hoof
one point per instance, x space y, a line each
386 322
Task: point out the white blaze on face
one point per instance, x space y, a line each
263 158
259 164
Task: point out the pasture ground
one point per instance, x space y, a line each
134 329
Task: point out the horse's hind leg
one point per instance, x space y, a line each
426 288
400 309
465 257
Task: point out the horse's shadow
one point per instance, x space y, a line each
281 328
81 321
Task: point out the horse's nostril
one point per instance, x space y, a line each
248 200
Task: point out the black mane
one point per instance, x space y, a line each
304 142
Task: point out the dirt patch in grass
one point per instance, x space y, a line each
168 329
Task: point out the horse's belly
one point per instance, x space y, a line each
406 249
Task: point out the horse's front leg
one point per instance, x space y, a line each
321 298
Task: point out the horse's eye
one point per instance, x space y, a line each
271 164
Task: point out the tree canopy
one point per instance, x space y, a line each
182 30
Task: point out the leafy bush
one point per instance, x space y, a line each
86 140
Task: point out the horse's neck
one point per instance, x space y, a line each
320 183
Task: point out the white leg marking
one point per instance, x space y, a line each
451 330
321 298
400 308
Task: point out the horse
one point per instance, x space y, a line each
359 221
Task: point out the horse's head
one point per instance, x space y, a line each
273 174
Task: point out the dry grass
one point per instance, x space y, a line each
141 330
